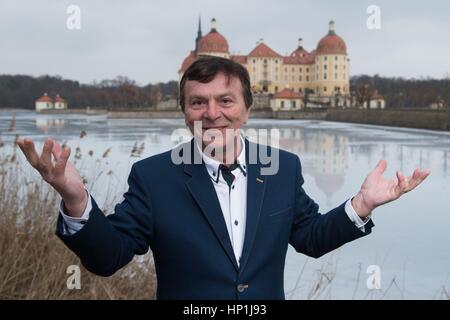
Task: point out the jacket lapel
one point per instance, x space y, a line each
256 185
202 189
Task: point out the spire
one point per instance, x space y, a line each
331 28
300 42
199 33
213 25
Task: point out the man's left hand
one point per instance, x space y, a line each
376 190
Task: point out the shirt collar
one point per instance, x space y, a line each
212 165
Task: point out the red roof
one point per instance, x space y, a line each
300 56
213 42
312 56
187 62
331 44
288 94
239 59
263 51
300 51
59 99
377 96
44 98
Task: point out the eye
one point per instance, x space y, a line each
197 103
227 101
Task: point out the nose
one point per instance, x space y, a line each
212 111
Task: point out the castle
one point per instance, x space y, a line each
321 75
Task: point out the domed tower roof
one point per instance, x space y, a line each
187 62
213 41
331 43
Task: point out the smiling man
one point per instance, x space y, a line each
218 229
219 102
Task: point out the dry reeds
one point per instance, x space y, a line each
34 262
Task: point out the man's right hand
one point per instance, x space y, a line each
59 173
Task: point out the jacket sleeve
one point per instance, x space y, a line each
316 234
107 243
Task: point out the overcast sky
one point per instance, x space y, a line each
147 40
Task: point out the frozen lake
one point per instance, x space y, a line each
409 242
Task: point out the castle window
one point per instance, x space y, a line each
325 67
324 89
307 69
335 76
300 78
335 67
307 78
293 70
282 104
325 58
300 69
335 58
324 76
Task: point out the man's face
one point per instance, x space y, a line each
219 105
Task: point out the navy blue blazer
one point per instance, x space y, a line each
174 210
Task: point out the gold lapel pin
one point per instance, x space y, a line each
259 180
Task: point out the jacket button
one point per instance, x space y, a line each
241 287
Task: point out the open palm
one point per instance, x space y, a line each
377 190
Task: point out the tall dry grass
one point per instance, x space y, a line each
34 262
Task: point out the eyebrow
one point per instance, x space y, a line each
200 97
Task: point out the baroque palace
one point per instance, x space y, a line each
320 76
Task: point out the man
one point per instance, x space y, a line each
218 229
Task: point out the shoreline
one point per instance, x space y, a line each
438 120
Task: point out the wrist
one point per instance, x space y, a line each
75 206
360 206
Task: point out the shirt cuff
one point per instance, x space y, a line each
72 225
353 216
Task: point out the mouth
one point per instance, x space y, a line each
215 127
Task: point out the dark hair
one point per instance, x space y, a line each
206 68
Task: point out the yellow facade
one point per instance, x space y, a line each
321 74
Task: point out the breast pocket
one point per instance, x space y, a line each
280 214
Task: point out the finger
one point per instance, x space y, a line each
56 151
28 149
417 178
46 157
381 167
61 163
402 182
